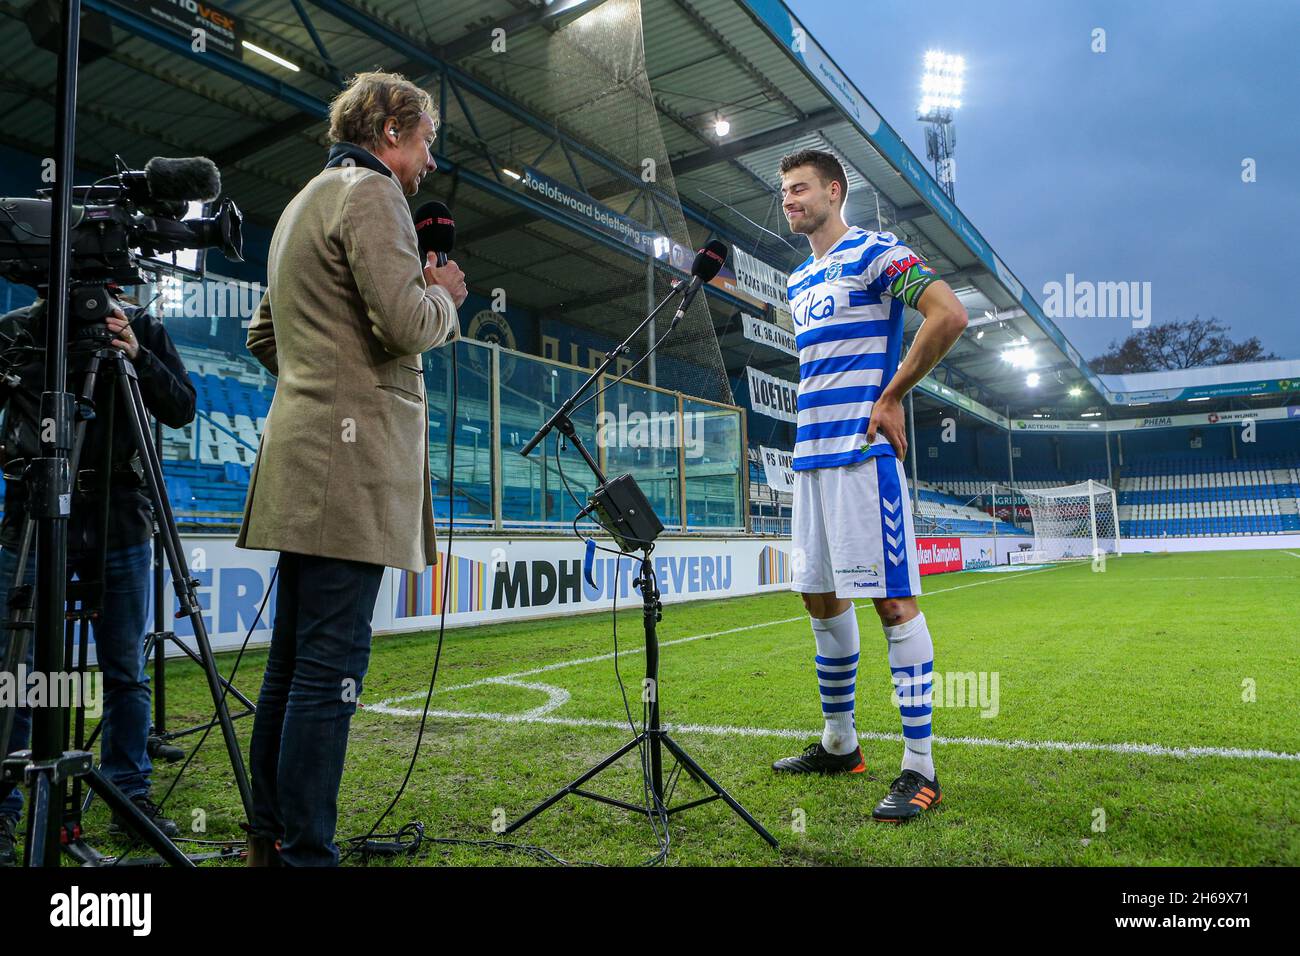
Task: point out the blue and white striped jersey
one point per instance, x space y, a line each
848 322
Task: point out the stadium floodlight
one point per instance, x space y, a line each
941 89
1076 392
941 86
721 126
511 173
1032 379
1020 356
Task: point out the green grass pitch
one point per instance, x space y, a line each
1146 715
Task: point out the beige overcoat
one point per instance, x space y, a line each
343 466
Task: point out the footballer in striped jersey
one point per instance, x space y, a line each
852 526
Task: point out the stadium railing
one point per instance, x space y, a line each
684 451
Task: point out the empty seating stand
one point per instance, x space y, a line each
1209 497
943 513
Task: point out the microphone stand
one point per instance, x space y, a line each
654 735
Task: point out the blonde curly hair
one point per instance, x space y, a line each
358 112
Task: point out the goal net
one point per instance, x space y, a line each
1074 521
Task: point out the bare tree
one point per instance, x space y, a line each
1194 343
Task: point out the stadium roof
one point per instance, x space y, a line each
1188 382
748 60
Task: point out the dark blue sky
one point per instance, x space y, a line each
1116 166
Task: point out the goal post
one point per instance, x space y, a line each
1074 521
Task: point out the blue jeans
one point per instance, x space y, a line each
320 651
119 648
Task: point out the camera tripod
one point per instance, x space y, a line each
49 777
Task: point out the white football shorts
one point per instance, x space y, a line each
853 532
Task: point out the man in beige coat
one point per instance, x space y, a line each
341 483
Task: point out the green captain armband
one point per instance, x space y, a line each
912 281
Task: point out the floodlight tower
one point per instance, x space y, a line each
941 88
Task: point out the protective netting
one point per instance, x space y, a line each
596 72
1074 521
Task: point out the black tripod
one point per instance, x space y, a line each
48 776
85 603
161 740
654 736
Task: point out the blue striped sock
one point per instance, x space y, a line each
837 673
911 662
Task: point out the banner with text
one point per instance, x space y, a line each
772 396
205 26
756 278
1192 420
778 468
496 578
936 555
768 333
492 579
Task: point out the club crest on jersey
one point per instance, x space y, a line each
834 271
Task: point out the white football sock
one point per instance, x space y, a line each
837 672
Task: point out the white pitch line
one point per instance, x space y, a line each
993 580
541 715
384 706
1292 553
1213 577
1068 746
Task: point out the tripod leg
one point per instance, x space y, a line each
51 572
38 822
15 654
650 615
157 641
226 686
135 820
183 583
560 795
20 625
727 798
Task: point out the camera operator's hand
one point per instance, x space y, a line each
449 277
123 337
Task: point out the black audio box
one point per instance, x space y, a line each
626 514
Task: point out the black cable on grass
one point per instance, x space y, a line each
355 843
410 837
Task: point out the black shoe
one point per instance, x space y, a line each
8 855
151 810
159 749
909 796
817 759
